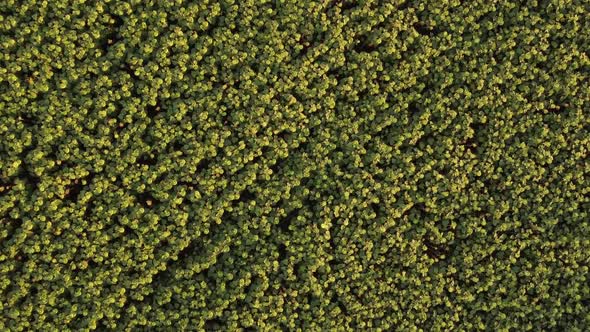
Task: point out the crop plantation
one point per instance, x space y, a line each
294 165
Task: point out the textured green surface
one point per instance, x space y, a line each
294 165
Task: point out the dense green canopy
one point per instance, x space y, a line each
297 165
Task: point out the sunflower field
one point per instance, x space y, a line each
281 165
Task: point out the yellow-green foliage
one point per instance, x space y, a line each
329 165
